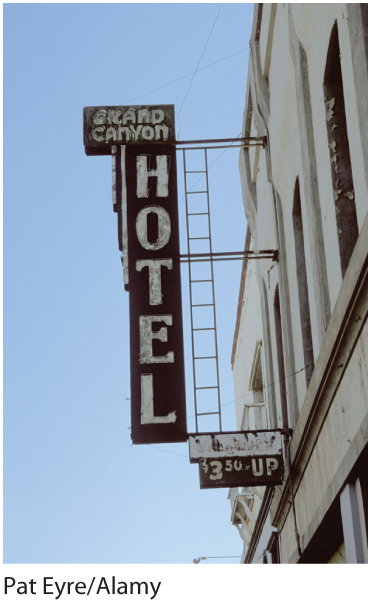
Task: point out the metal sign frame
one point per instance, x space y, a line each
141 140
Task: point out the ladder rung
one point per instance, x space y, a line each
204 213
197 172
204 357
205 329
198 238
207 280
200 305
208 387
196 192
200 414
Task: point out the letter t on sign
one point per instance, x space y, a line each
154 267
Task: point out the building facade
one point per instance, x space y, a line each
299 356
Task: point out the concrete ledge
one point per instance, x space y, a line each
337 484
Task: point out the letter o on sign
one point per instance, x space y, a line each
164 227
148 133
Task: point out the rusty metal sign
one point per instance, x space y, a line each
129 125
242 458
234 444
241 471
158 407
141 140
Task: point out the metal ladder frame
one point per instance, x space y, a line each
212 257
211 280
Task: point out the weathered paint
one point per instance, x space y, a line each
301 124
156 339
161 173
164 227
147 336
236 444
154 274
107 126
144 194
124 218
237 471
147 405
114 179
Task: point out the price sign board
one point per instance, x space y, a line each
234 443
242 458
241 471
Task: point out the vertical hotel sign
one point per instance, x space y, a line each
142 142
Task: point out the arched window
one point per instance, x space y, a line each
301 273
341 169
249 124
280 358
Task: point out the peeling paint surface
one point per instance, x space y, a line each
239 444
124 203
147 336
164 227
161 173
147 406
329 109
154 269
158 409
245 472
135 125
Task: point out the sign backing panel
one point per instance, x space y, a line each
234 444
105 126
158 406
241 471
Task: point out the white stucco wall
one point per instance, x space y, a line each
252 321
285 103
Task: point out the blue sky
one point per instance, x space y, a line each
75 490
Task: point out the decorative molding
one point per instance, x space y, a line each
260 522
240 296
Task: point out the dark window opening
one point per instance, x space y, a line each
274 547
341 170
301 272
251 185
280 358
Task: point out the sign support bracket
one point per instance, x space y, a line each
197 211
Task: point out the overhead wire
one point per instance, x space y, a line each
202 54
231 402
251 393
210 166
171 451
188 75
264 387
164 86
